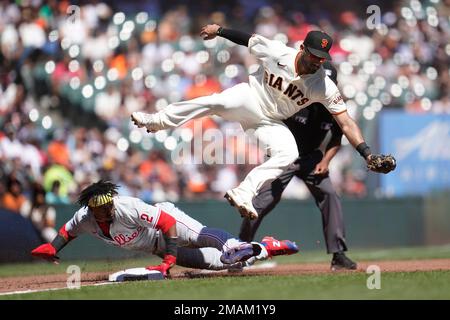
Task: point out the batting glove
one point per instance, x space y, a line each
168 262
46 251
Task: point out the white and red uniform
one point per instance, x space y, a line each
139 226
275 92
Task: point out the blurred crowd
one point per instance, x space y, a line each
72 75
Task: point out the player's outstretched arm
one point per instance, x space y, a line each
210 31
167 225
48 251
349 128
375 162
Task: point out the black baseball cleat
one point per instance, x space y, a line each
341 262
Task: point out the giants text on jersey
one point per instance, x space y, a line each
280 91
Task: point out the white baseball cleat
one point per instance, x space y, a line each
245 208
149 121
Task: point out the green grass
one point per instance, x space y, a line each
43 268
412 253
414 285
398 285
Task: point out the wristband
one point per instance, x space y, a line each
364 150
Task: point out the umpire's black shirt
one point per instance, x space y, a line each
310 126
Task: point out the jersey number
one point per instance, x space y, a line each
145 217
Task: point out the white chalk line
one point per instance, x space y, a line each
53 289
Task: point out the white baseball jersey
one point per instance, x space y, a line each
280 91
274 93
133 226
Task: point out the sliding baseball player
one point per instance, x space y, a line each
163 230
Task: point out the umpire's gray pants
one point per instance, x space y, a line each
323 192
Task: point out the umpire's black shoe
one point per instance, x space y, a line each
342 262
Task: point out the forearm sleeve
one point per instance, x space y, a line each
62 239
59 242
171 245
238 37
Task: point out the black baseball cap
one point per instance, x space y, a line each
318 43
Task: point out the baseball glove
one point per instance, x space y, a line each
381 163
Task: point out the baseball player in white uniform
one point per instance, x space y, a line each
161 229
287 81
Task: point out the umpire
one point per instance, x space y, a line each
311 127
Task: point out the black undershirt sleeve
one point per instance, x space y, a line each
171 245
238 37
59 242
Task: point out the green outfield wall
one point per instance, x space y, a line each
370 223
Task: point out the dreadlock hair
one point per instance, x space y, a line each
100 188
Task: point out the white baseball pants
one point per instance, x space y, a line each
238 104
199 247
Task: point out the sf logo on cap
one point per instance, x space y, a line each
324 43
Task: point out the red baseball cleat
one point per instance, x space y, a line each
276 247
